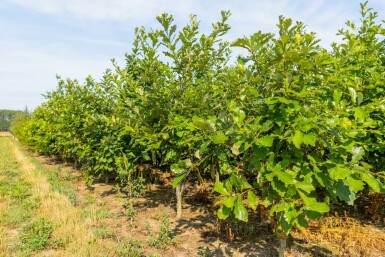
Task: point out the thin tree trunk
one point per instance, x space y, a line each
106 179
217 178
179 194
282 246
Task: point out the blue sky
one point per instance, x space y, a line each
76 38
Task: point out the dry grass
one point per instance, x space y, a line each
346 236
4 248
71 231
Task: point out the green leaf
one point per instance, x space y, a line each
279 187
312 204
360 98
309 139
260 152
265 141
305 186
357 154
291 214
354 184
218 138
343 192
284 223
240 211
179 167
223 212
301 222
353 94
284 177
337 97
318 207
371 182
203 124
129 129
244 183
321 178
252 200
279 207
313 214
297 139
360 113
239 183
219 188
229 202
336 173
178 179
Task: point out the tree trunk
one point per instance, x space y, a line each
217 178
106 179
179 193
282 246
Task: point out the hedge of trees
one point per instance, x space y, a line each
291 126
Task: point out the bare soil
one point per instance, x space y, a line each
5 134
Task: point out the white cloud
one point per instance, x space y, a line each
107 10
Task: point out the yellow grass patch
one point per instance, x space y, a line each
71 232
346 237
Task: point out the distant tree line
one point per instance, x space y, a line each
6 117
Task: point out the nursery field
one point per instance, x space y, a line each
48 210
189 150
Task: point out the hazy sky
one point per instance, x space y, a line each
76 38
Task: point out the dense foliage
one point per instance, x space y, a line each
291 126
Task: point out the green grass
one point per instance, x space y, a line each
17 193
60 183
35 236
13 190
130 247
97 213
102 231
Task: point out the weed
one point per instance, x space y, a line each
89 199
15 188
164 237
161 215
36 235
103 232
131 212
68 176
96 214
147 228
202 251
130 247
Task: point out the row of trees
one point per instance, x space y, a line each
291 126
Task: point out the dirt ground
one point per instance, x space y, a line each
5 134
200 233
